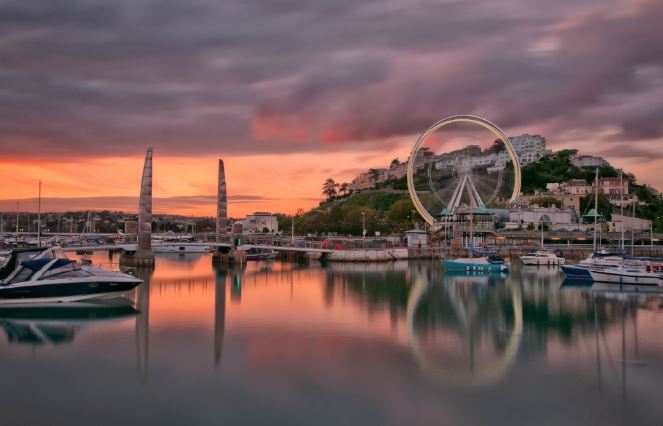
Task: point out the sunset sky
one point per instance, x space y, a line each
290 92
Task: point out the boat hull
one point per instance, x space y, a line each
616 277
541 261
577 272
64 292
453 265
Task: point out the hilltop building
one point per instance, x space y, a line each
611 186
588 161
530 148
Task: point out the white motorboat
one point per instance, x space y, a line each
542 257
632 273
599 260
44 275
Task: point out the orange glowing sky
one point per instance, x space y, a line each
276 182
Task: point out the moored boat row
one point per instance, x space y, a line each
616 268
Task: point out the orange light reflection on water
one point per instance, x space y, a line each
276 295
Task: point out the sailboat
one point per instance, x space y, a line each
598 258
628 271
543 256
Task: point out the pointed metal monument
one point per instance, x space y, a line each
145 205
221 204
143 256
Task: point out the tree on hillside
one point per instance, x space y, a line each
394 163
401 215
343 188
555 168
329 188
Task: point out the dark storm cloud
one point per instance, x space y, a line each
199 77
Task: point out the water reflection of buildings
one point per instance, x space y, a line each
481 325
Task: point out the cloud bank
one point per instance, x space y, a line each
235 77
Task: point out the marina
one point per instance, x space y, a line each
388 212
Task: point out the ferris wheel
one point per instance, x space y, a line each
462 162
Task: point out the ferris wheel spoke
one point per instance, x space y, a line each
487 188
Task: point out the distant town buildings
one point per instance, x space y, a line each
529 148
569 201
608 186
553 217
630 223
261 222
369 179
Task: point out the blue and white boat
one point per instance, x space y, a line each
601 260
491 263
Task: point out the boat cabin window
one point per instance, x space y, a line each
68 270
23 275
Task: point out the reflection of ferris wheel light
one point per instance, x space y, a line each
461 169
480 377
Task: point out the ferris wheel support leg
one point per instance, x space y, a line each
458 193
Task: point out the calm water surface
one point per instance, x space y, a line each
389 344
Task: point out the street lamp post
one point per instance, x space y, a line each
651 238
363 230
651 235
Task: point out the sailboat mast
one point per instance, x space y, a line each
596 205
39 217
633 232
621 204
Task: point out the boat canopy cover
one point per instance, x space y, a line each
37 264
11 263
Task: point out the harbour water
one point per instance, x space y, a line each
341 344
